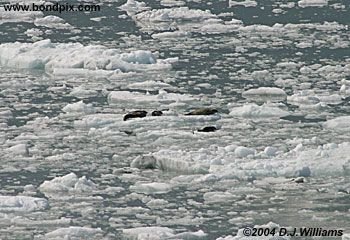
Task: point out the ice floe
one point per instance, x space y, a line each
75 233
265 94
18 149
148 233
137 99
255 111
159 233
22 204
79 107
245 3
73 57
243 162
312 3
69 183
339 123
151 188
52 22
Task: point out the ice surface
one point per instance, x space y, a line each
243 162
52 22
167 35
18 149
245 3
255 111
137 98
75 233
22 204
79 107
312 3
339 123
54 56
69 183
265 93
148 233
159 233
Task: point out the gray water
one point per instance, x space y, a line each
322 201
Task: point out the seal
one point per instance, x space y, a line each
135 114
157 113
202 111
208 129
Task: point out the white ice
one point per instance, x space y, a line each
22 204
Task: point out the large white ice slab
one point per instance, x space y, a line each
54 56
22 204
75 233
69 183
255 111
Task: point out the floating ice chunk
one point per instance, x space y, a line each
243 152
139 57
131 211
151 188
19 149
340 123
125 96
215 27
270 151
52 56
190 235
96 120
288 65
5 114
330 99
132 7
312 3
245 3
265 93
148 233
82 92
67 183
304 97
277 10
52 22
170 3
34 32
79 107
167 35
255 111
75 233
173 14
144 99
219 197
157 203
149 85
22 204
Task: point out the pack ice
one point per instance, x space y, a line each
73 58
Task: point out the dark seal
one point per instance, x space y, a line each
202 111
157 113
135 114
208 129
